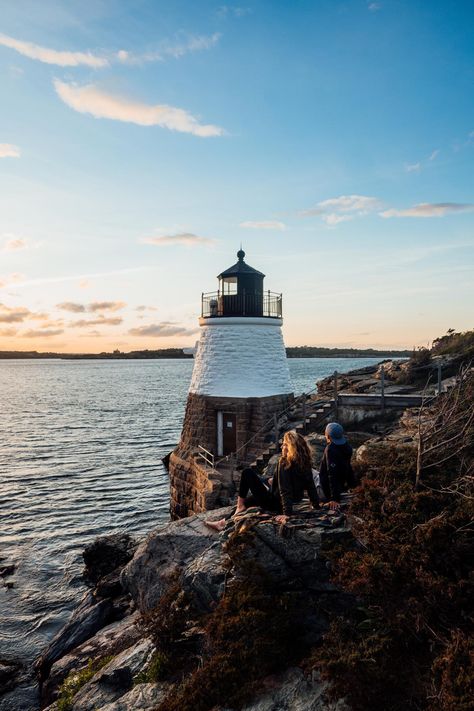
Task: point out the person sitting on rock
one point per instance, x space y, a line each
336 474
293 476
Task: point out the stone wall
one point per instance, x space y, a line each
196 487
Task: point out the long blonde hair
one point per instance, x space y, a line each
298 451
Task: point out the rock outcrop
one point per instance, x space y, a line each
107 668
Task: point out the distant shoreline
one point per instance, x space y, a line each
178 353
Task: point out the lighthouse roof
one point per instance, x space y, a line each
239 267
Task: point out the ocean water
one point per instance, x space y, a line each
80 456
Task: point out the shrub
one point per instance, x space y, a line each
404 646
252 632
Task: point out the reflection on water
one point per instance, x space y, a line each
80 455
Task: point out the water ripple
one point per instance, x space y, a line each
80 455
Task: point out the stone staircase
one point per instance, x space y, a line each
315 414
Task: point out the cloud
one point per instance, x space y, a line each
101 321
412 167
106 306
142 307
89 99
45 333
74 277
164 329
8 332
8 150
93 307
263 225
428 209
18 314
84 284
15 244
343 208
56 323
434 154
71 306
11 279
333 218
187 238
374 6
233 10
177 49
52 56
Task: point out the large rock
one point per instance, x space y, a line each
115 679
143 697
88 618
107 553
113 639
294 691
164 553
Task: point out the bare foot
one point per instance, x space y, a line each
216 525
239 510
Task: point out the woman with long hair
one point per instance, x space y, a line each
293 476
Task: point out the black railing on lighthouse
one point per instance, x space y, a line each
215 304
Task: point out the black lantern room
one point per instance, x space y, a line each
241 293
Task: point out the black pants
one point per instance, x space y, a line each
261 496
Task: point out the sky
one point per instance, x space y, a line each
142 142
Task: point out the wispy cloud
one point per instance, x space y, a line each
93 306
412 167
8 150
83 278
176 49
343 208
142 308
8 332
263 225
52 56
42 333
180 46
164 329
89 99
106 306
429 209
233 11
101 321
9 279
187 238
434 154
14 244
374 6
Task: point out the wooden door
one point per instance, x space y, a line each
230 433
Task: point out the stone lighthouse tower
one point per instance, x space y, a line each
240 381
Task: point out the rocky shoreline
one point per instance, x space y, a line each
104 657
101 656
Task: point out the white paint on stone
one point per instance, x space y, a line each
241 357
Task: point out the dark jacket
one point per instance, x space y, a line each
335 474
289 485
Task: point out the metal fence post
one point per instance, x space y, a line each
335 394
304 413
382 386
275 430
439 378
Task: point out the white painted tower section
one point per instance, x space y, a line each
241 356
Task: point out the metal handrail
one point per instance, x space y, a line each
207 456
216 304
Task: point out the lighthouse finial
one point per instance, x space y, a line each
241 254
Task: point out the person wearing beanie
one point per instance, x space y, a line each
336 473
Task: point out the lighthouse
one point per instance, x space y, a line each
240 384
